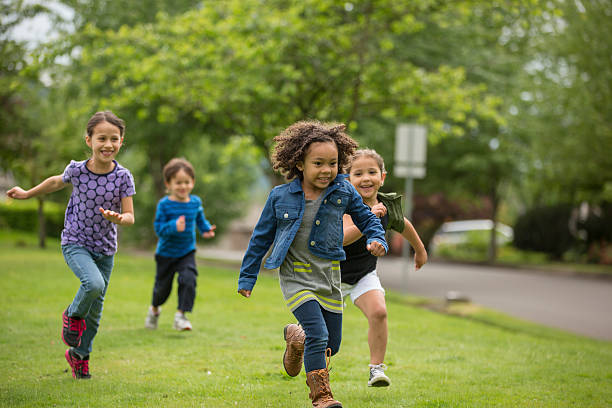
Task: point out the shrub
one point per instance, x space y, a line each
545 229
23 216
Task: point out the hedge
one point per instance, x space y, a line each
23 216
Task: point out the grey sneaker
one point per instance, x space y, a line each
152 318
181 323
377 376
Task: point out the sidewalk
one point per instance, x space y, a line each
234 258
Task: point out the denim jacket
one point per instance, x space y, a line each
281 218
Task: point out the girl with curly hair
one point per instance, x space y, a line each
302 221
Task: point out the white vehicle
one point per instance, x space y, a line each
456 232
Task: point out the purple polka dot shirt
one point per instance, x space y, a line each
84 225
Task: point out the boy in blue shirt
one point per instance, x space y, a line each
175 224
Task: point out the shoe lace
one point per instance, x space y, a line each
77 325
378 368
328 359
82 367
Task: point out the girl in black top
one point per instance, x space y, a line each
359 278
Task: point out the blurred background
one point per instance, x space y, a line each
516 97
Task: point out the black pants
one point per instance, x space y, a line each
185 266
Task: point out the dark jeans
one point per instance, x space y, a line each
185 266
323 330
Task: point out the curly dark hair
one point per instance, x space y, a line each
292 145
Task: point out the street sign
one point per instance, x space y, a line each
410 150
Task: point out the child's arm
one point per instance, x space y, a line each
261 239
420 254
53 183
207 230
210 233
124 218
164 226
351 232
368 224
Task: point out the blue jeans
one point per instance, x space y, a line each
93 270
323 330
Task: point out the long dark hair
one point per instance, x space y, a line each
105 116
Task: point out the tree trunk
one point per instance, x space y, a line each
492 255
41 223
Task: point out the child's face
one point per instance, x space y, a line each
366 177
320 166
180 186
105 142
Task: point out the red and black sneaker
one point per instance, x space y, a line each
72 329
79 366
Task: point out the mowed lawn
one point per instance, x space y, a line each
232 358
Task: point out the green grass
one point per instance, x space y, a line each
466 357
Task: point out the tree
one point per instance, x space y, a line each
564 114
235 68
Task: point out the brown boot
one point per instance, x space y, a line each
294 352
320 392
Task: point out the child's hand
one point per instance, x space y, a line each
180 223
376 248
210 233
111 216
245 293
379 210
420 258
18 193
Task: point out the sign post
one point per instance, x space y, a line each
410 157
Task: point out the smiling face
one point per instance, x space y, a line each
105 142
367 177
319 167
180 186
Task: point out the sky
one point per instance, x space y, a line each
39 29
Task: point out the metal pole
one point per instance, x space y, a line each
405 244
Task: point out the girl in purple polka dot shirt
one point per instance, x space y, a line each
101 198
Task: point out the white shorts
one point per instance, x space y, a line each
367 283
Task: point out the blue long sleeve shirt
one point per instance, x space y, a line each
172 243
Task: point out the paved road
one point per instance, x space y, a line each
579 305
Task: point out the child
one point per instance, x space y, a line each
89 238
359 279
175 220
302 220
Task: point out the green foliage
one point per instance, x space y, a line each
225 176
564 114
545 229
233 355
23 216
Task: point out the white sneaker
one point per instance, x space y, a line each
181 322
377 376
152 318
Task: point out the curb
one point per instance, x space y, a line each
532 269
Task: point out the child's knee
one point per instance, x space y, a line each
334 344
378 313
188 279
96 287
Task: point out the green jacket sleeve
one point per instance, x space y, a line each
393 202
